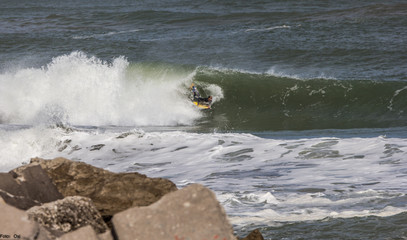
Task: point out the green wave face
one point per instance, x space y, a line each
263 102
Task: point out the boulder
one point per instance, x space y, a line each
110 192
68 214
106 236
82 233
14 223
254 235
45 234
190 213
87 233
31 186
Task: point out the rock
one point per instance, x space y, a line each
44 234
68 215
191 213
14 223
110 192
82 233
254 235
86 233
30 186
106 236
96 147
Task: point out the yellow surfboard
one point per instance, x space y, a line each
202 105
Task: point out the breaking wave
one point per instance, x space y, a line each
81 90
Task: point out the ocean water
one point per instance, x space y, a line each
307 135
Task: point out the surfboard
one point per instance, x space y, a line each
202 105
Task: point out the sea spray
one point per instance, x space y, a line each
83 90
21 143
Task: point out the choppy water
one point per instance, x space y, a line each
306 137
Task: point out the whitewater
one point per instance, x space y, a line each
84 90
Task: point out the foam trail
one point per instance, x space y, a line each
85 90
266 29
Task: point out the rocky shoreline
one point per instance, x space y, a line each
64 199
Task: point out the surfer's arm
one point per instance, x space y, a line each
196 93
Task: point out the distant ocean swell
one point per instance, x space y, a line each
82 90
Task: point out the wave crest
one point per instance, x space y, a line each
85 90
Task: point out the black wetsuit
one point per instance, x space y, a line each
201 99
198 98
205 100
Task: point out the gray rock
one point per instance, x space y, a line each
68 215
30 186
110 192
191 213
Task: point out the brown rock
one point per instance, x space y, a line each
28 187
254 235
110 192
68 215
106 236
44 234
191 213
14 223
82 233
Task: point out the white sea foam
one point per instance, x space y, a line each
288 72
263 198
396 93
257 180
266 29
296 207
274 218
84 90
18 146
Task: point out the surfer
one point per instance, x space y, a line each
198 98
207 100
